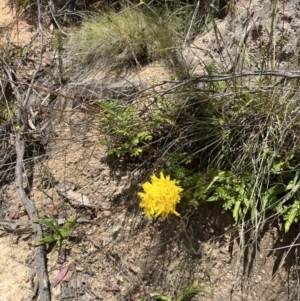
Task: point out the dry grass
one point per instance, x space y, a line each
128 38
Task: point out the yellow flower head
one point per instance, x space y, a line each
160 197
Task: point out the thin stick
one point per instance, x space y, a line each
40 261
191 24
22 118
40 257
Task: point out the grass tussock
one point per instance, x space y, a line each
239 146
127 38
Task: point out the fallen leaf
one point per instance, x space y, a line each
112 289
80 198
66 188
14 214
49 63
104 206
52 209
72 266
63 187
63 272
135 269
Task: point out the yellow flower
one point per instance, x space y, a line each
160 197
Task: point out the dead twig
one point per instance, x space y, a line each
40 262
52 11
22 119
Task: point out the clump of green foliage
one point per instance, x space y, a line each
241 149
126 131
130 37
59 234
129 130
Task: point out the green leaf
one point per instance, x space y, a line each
156 296
65 233
46 240
47 223
190 292
292 215
70 223
283 165
236 211
271 195
294 186
53 220
215 179
213 198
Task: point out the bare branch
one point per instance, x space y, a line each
40 261
22 119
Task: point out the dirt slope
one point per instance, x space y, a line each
119 254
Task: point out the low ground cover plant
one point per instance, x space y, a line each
237 147
59 233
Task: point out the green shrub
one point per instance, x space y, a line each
127 134
130 128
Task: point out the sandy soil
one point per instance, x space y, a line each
14 29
